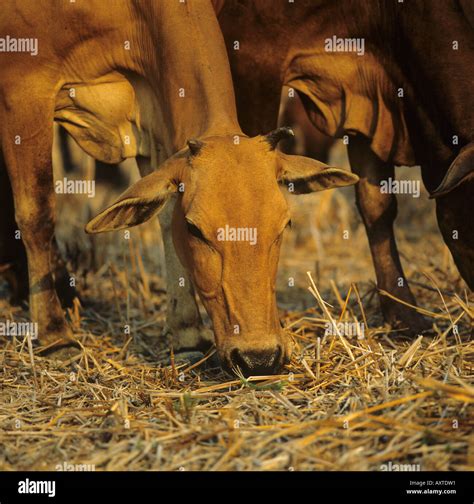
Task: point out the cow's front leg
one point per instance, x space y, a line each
378 211
27 147
183 320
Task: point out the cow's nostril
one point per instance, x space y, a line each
256 362
235 357
278 354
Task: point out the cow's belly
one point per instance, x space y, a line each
103 117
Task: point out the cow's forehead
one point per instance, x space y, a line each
223 166
239 157
234 180
237 146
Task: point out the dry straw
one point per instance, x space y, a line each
343 403
346 402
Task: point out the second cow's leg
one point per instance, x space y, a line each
183 321
378 211
27 144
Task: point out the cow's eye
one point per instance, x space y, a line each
195 231
289 224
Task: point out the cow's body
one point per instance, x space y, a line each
408 46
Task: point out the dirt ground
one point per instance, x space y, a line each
377 401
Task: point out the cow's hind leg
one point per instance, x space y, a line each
378 211
27 144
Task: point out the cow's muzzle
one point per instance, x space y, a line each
254 361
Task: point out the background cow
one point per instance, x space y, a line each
406 100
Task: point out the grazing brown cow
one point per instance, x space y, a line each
397 78
129 78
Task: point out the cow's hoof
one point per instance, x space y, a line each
54 340
409 322
190 338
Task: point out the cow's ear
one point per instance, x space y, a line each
304 175
461 168
141 201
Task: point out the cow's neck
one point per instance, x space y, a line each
193 83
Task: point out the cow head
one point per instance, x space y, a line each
228 224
